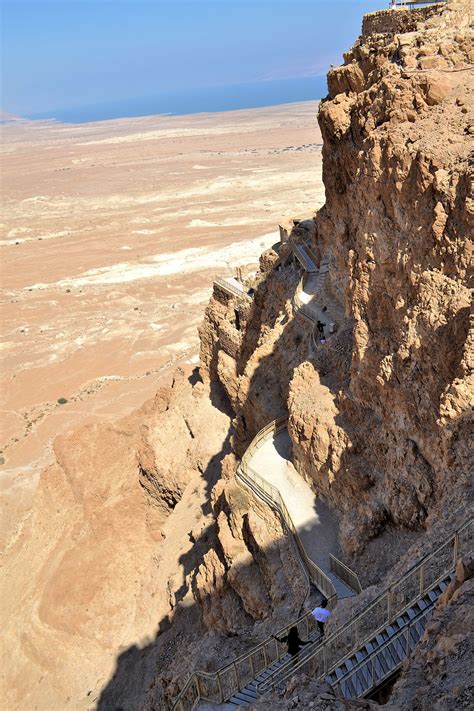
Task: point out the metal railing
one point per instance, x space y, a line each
369 673
304 259
345 573
389 605
220 685
231 289
303 309
409 3
272 495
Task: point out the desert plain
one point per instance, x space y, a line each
111 235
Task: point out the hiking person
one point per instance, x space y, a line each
321 615
320 328
293 641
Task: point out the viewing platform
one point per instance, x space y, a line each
232 287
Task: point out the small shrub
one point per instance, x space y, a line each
62 401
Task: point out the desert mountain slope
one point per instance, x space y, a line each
378 414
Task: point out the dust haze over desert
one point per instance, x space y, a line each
107 267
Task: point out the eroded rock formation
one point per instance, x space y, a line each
378 415
153 538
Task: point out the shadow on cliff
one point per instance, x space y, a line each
144 671
141 671
268 385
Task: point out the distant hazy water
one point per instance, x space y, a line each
191 101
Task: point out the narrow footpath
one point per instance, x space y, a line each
314 521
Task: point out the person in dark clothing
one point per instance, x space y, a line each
320 329
293 641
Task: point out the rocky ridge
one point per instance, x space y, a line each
379 416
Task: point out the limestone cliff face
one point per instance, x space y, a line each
396 225
378 415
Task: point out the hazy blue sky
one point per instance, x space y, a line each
70 53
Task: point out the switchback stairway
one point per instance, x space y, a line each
374 661
357 655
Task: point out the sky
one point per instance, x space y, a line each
71 53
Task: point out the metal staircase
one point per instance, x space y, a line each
372 662
248 694
356 656
376 660
304 259
308 310
365 669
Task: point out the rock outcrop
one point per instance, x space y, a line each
96 566
379 414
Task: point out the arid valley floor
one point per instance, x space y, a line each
111 235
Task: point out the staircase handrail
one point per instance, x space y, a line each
391 610
231 289
219 680
267 491
318 576
402 632
345 573
404 3
304 259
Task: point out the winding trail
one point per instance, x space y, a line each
316 524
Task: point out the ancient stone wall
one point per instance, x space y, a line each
230 340
396 20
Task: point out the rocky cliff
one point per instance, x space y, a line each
141 558
163 545
379 414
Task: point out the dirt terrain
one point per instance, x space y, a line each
111 235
